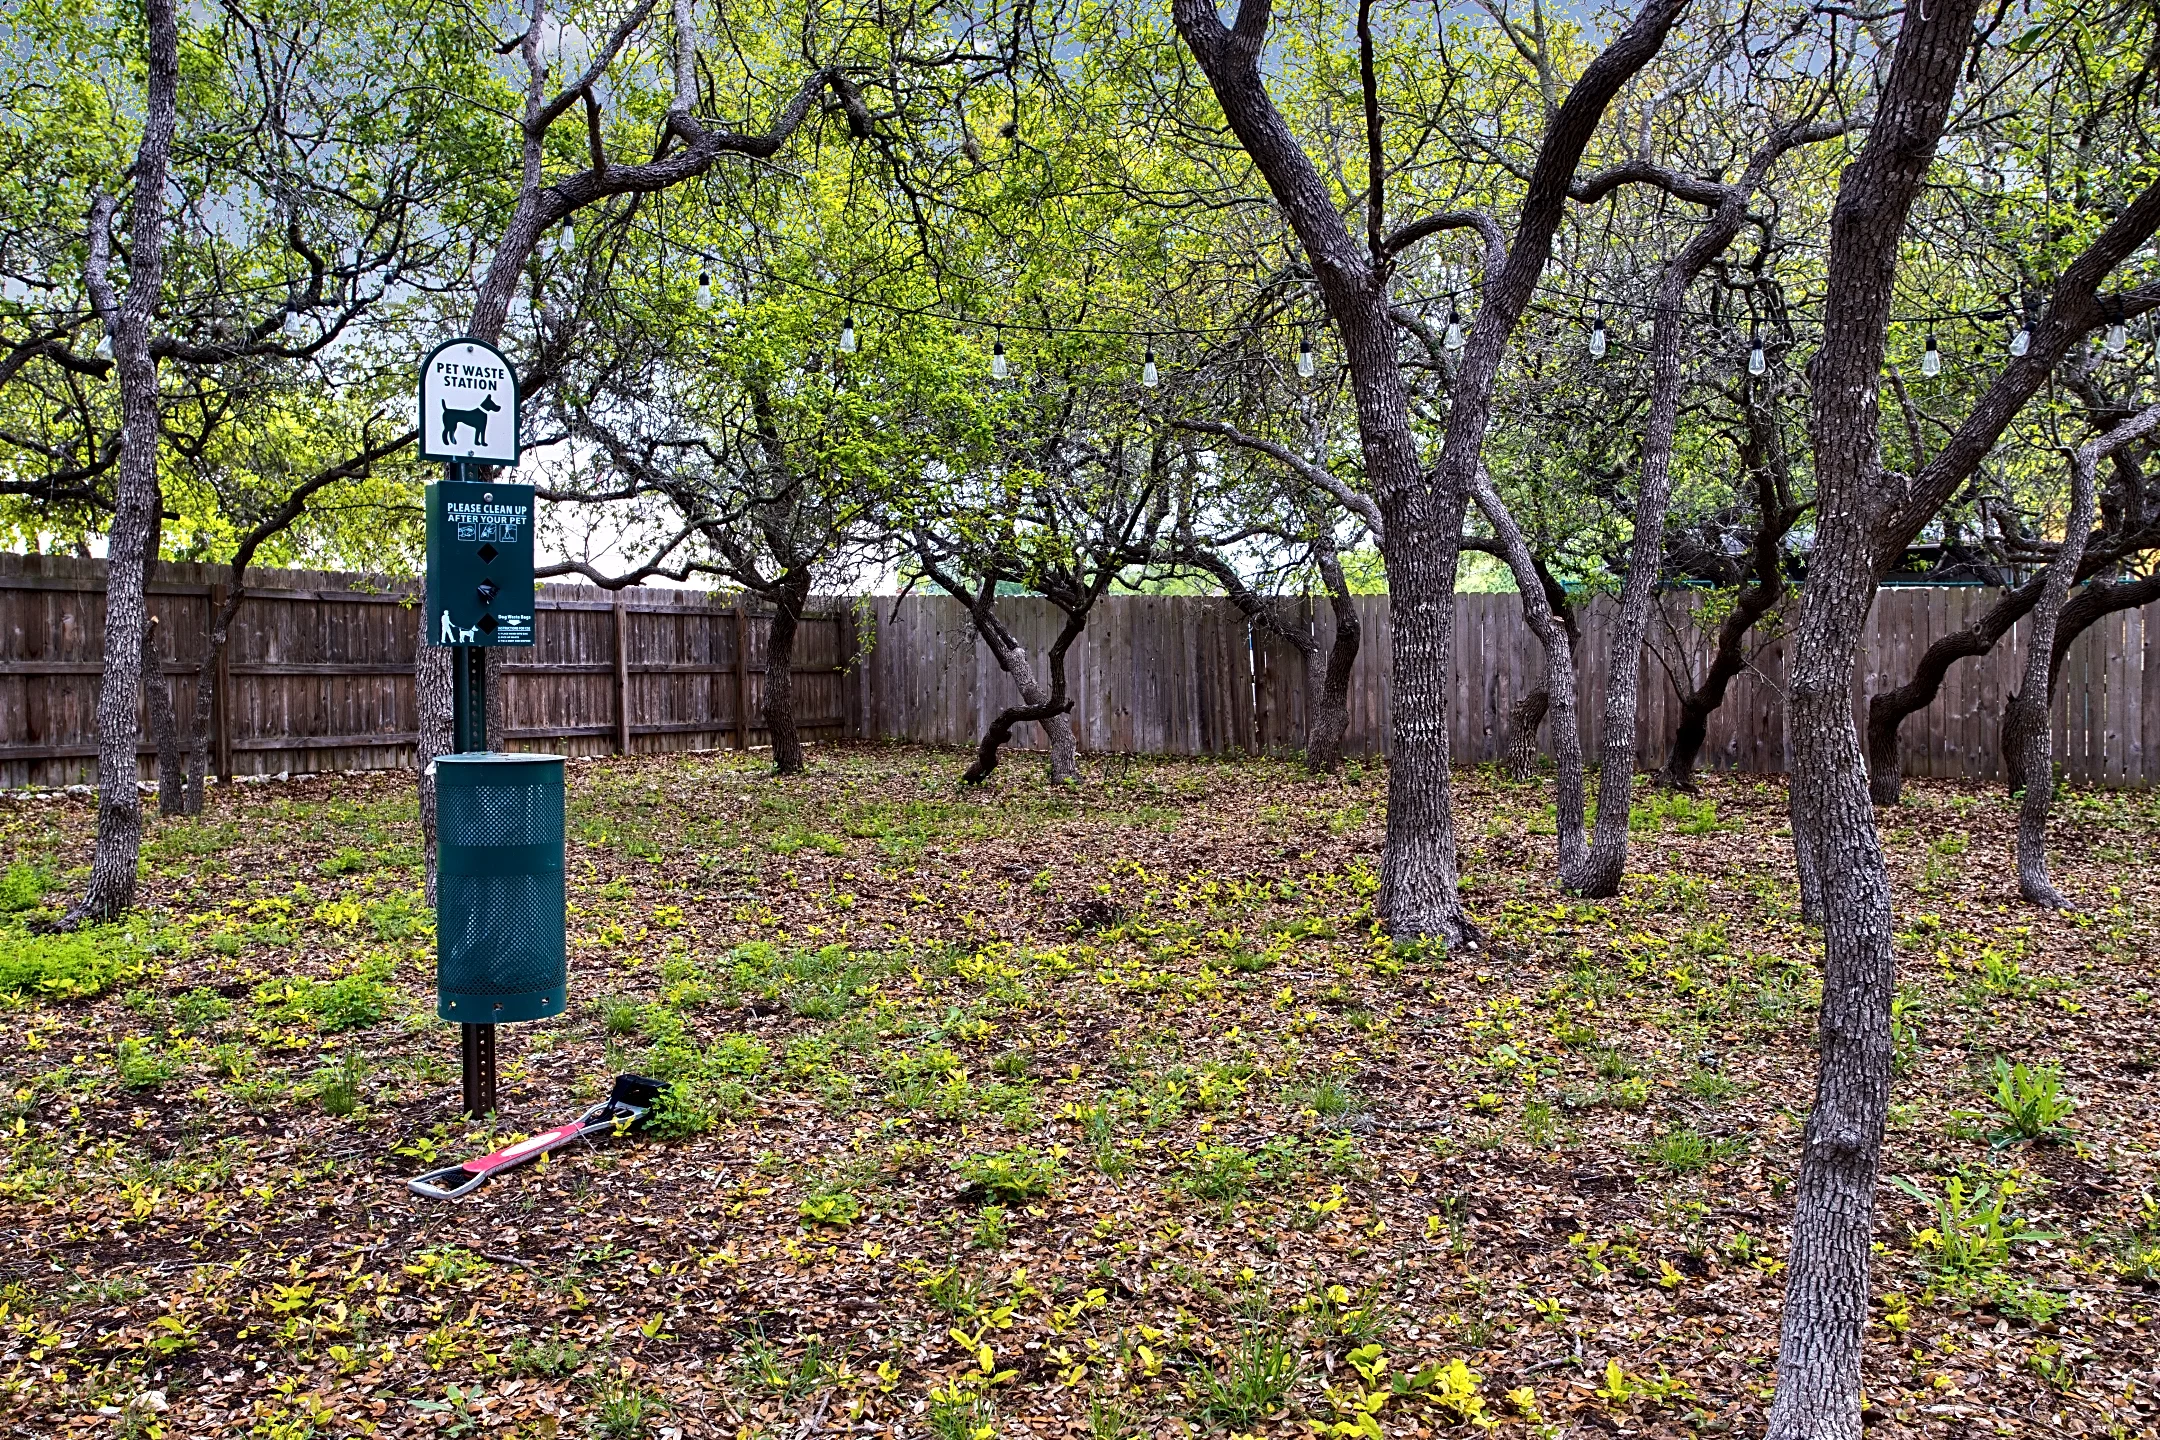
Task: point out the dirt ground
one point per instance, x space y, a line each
1019 1112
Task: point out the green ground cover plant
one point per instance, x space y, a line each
1075 1112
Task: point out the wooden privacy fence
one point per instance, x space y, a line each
1176 675
318 676
317 672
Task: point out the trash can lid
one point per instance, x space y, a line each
497 757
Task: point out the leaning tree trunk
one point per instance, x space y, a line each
1056 721
111 891
2088 607
1524 718
1701 702
2042 659
1545 611
2030 705
1888 711
1327 707
790 597
1045 705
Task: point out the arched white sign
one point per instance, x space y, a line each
468 404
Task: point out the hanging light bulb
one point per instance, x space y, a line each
1597 338
292 325
847 336
1149 376
104 345
704 291
569 235
1757 361
2021 342
2118 339
997 360
1454 339
1305 359
1931 360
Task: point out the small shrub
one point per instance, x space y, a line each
141 1064
2030 1101
1973 1229
1012 1176
338 1088
1710 1085
833 1207
992 1229
625 1412
1681 1151
1218 1172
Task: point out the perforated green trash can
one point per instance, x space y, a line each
499 954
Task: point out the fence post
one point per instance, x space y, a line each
742 677
622 671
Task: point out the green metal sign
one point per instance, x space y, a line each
479 564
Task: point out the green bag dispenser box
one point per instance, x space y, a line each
499 952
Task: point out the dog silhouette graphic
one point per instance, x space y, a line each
457 634
453 420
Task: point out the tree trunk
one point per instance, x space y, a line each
1826 1294
1888 711
1327 707
1697 704
1046 705
2043 659
437 709
1524 718
2094 603
198 750
1550 618
789 598
111 891
1601 872
1035 695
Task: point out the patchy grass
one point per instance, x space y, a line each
1099 1111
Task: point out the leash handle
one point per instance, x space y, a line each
472 1174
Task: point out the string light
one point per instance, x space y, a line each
1757 362
104 346
1931 360
2021 342
847 336
704 291
1597 338
1454 339
569 235
1305 359
1149 376
292 325
2118 339
997 361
